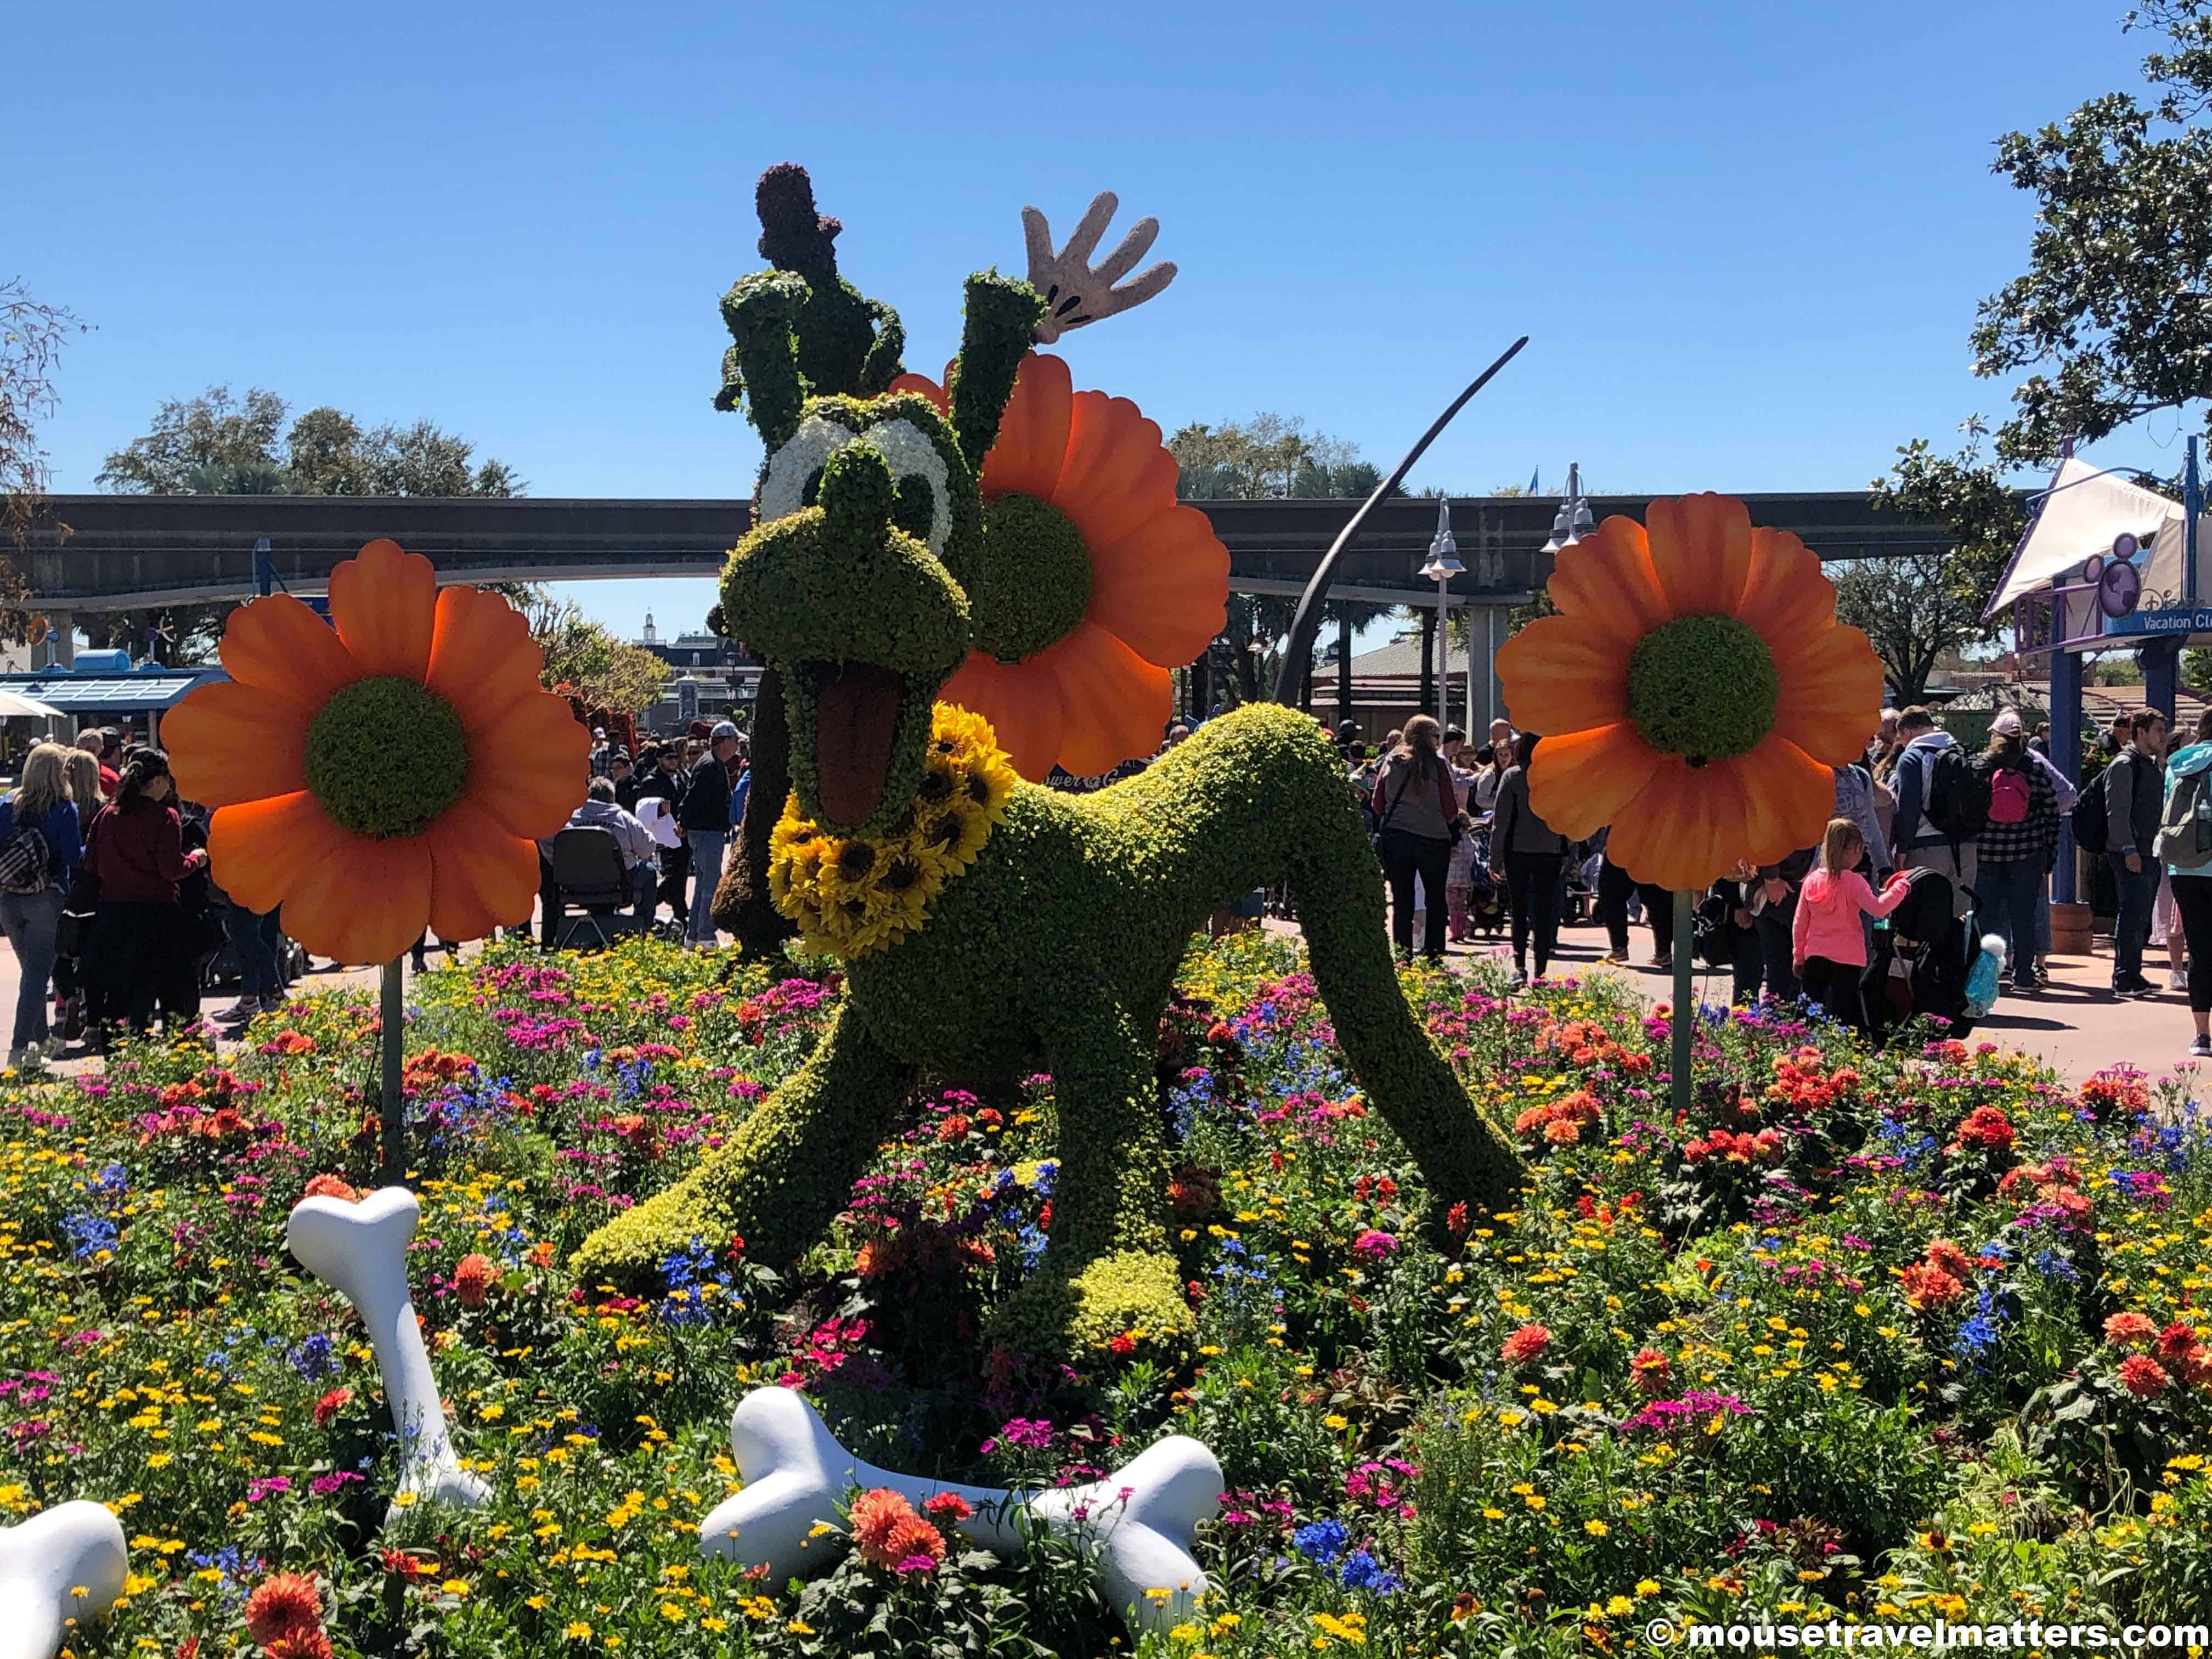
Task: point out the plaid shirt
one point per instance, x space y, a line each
2036 836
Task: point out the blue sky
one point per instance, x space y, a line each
1748 246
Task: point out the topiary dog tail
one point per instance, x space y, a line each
1400 1070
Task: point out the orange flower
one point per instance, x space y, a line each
474 1278
1693 692
283 1604
1098 694
387 773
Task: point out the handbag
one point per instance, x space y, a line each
1396 801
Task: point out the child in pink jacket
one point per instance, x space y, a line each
1827 941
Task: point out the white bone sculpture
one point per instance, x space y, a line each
360 1251
795 1473
44 1561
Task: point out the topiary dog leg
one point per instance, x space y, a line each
1107 1268
777 1182
1403 1073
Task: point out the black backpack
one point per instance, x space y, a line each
2091 830
1957 805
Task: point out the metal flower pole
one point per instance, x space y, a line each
1684 1021
391 1103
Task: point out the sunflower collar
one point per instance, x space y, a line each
854 894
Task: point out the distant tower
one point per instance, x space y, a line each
651 636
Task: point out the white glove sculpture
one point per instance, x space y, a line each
795 1473
1076 293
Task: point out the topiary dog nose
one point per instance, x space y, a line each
856 497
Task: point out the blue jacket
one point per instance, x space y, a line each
65 841
1910 827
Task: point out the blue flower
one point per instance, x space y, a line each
687 1273
1322 1540
1362 1572
313 1358
89 1234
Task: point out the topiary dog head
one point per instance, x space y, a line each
858 580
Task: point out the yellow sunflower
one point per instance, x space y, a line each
851 895
1694 691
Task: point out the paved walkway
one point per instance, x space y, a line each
2075 1023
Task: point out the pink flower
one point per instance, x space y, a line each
1374 1245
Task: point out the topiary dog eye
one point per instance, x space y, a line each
809 493
914 507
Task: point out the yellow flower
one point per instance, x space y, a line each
1596 1528
578 1632
854 894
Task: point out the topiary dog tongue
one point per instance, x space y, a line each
855 717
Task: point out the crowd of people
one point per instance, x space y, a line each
108 900
105 894
1452 819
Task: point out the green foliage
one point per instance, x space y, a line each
1060 943
214 443
1970 498
578 652
960 1609
759 311
2113 299
1702 686
1911 613
1268 457
369 785
1820 1437
842 343
997 321
32 335
1039 580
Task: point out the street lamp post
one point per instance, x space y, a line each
1443 564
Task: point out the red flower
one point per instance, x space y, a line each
2143 1377
948 1507
2129 1330
1456 1220
1943 1254
1122 1344
1649 1372
952 1128
474 1278
283 1605
2177 1340
308 1641
329 1186
1986 1129
330 1405
1525 1344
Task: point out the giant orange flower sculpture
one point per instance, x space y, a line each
1100 582
1693 692
386 771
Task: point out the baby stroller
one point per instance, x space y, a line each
1485 896
1926 961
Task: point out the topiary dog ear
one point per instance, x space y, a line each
764 361
1002 315
883 363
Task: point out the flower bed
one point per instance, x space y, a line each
1921 1332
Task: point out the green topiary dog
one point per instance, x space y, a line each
992 927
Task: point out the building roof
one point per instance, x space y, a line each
159 690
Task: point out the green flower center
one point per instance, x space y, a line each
386 756
1037 580
1703 688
